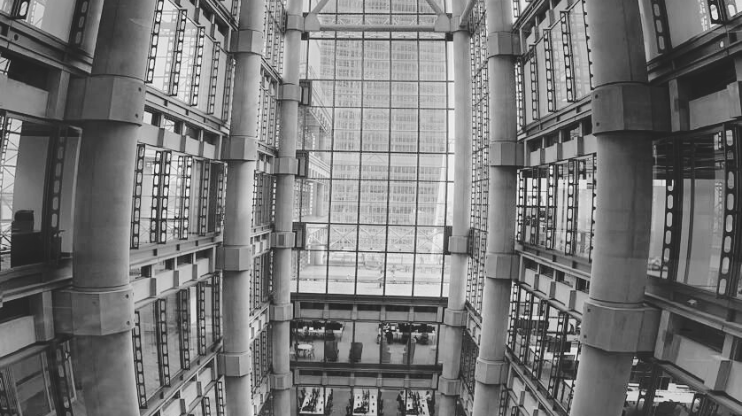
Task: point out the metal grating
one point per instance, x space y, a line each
201 314
161 312
183 299
214 78
136 208
178 53
568 53
154 41
550 92
196 77
136 338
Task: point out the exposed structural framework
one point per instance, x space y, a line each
370 207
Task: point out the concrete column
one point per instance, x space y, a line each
241 153
281 310
449 384
501 262
622 121
102 298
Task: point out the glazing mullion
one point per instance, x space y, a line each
417 171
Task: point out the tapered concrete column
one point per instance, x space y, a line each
241 152
623 117
501 262
281 310
102 298
449 384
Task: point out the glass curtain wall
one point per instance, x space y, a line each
378 137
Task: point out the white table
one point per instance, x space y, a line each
372 401
305 349
410 402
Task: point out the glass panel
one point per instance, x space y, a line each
578 38
585 201
428 272
188 61
365 347
150 351
173 334
395 342
33 390
399 274
337 341
562 183
687 18
313 270
52 16
706 170
24 171
370 272
423 344
166 48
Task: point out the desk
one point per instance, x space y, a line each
373 395
319 408
410 406
305 349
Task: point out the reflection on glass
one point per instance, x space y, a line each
150 351
172 321
52 16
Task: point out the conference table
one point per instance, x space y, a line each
372 409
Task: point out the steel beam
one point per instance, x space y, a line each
377 28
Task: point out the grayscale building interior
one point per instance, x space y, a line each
370 207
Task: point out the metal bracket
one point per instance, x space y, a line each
249 41
104 312
458 244
619 329
501 266
286 166
505 154
491 372
234 258
241 148
502 44
449 387
235 364
454 318
281 313
630 106
281 381
283 239
295 22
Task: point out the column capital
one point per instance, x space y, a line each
501 266
234 258
508 153
619 328
107 98
454 317
248 41
281 313
630 106
286 166
502 43
281 381
458 244
102 312
449 387
237 364
491 372
243 148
